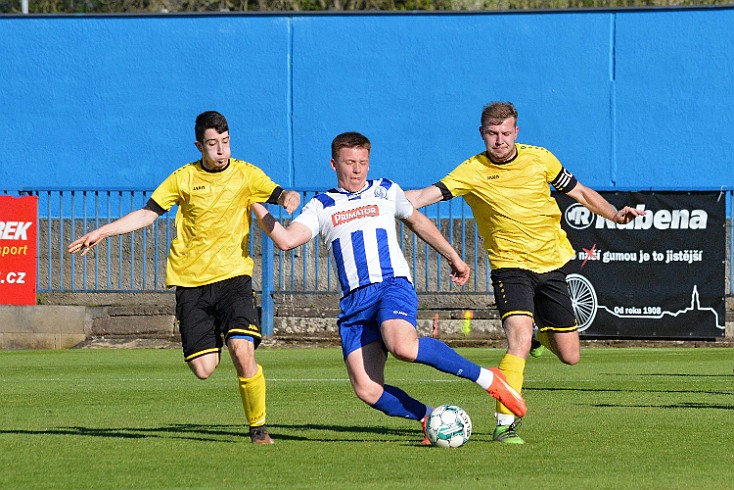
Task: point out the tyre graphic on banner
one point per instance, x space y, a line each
583 299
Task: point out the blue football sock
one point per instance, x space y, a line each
397 403
435 353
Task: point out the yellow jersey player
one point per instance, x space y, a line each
209 261
507 188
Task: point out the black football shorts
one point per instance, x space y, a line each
544 297
209 315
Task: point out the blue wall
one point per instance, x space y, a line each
628 99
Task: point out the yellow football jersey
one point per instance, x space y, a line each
212 222
512 205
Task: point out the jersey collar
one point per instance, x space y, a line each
517 153
367 185
201 164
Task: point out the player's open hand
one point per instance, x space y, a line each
627 214
460 272
85 243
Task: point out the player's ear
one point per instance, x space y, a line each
198 146
333 164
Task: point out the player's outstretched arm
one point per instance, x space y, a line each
423 197
427 231
130 222
593 201
284 238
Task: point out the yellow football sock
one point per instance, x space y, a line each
252 392
513 368
544 339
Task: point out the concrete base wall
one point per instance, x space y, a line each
63 327
43 327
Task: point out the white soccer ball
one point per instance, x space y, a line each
448 426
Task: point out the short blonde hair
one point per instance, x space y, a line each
497 112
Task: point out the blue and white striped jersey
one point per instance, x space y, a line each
359 230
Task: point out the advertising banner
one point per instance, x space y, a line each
662 275
18 250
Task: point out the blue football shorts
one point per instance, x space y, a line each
363 310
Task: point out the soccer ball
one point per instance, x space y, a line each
448 426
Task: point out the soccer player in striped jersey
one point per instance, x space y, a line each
209 261
356 220
507 188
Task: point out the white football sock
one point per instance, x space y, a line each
505 418
485 378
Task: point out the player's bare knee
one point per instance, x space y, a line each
368 394
201 374
404 353
201 371
570 359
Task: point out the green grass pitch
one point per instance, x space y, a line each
138 419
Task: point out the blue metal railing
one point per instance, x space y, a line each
308 268
136 262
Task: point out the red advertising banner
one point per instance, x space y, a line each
18 250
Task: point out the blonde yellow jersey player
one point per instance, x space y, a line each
507 187
209 261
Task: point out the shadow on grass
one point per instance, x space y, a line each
347 433
712 406
685 375
178 431
228 434
624 390
715 406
